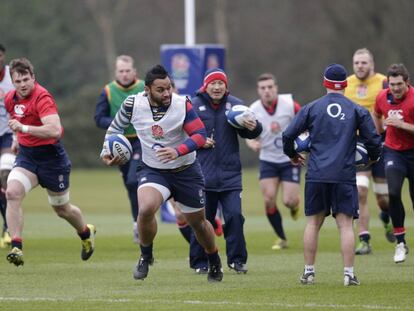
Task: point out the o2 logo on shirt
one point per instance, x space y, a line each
395 114
334 110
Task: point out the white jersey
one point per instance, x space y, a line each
6 85
166 132
273 126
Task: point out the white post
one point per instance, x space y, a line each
189 22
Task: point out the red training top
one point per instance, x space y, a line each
386 105
29 111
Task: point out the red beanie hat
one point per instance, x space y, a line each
335 77
213 74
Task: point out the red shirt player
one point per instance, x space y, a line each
396 106
41 158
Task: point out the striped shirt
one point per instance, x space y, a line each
192 125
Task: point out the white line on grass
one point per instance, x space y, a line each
201 302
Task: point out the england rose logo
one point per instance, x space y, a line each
157 132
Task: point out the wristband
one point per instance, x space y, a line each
25 128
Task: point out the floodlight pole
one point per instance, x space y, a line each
189 22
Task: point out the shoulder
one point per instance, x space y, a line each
233 100
352 79
256 104
9 96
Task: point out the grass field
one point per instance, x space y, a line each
54 277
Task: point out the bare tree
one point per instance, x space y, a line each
221 28
107 14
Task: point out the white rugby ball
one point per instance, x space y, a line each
302 143
239 113
361 155
119 146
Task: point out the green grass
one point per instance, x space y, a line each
54 277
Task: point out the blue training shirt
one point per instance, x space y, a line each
333 121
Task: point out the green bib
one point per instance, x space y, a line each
117 94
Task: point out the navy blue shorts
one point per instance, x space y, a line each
400 160
50 163
186 185
284 171
6 141
331 198
377 169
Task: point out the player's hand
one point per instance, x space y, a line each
298 159
255 145
110 160
210 143
166 154
250 124
395 122
15 125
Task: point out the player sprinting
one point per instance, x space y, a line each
275 111
41 159
170 131
394 107
363 87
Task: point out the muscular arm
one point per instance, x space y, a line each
378 122
400 124
195 129
50 128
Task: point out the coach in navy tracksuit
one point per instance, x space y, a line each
332 122
220 162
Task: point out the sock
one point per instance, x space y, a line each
309 269
275 219
385 217
185 230
349 271
85 234
364 236
17 242
213 258
400 235
146 251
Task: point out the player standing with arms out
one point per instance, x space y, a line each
114 93
41 159
170 131
220 162
332 121
275 111
394 108
363 87
7 157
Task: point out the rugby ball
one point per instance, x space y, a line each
361 155
237 114
119 146
302 143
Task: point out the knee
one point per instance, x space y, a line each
62 211
291 202
382 202
14 194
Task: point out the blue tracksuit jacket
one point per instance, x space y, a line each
221 165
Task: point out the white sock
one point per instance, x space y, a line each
349 271
309 268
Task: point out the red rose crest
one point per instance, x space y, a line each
157 132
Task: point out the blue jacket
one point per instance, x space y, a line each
333 121
221 165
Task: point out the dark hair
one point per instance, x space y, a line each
21 66
156 72
396 70
2 48
267 76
